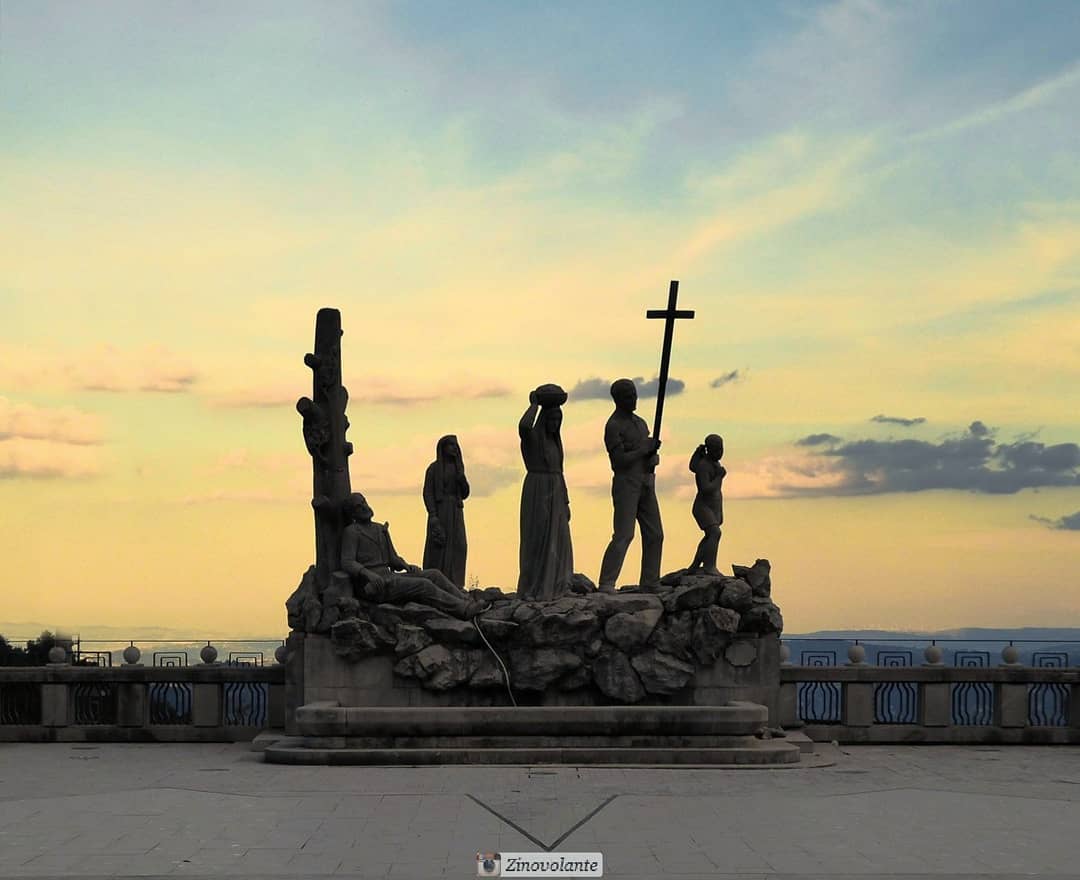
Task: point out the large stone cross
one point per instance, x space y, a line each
670 315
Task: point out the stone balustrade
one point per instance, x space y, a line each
209 702
932 703
853 703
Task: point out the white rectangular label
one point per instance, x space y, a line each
549 864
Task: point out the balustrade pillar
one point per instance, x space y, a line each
788 706
1010 704
935 704
857 704
132 707
275 706
54 705
206 705
1074 705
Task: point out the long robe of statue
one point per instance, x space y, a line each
445 488
546 554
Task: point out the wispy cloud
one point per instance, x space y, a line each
60 425
107 368
728 378
149 369
373 390
47 459
1033 96
48 443
778 182
242 496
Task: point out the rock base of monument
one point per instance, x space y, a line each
734 734
747 669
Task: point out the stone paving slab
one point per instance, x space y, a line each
209 811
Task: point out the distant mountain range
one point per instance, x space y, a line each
976 646
14 631
973 633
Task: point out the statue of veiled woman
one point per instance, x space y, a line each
445 488
546 556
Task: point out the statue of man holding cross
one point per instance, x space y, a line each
633 460
633 489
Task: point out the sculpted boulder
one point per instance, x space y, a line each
303 607
757 576
552 626
410 639
443 668
661 673
488 673
606 604
695 592
438 667
672 635
451 631
629 630
763 618
498 630
579 678
534 669
736 595
356 638
712 631
581 584
615 677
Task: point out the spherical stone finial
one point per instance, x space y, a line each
57 654
933 654
1011 655
280 653
131 655
208 654
856 655
785 654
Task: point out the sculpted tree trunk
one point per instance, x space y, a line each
325 425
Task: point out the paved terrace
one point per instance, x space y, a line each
215 810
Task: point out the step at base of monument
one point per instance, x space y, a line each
765 752
624 735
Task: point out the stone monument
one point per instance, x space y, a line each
388 662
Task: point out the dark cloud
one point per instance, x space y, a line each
971 462
817 440
600 389
897 420
1068 523
727 378
652 387
591 389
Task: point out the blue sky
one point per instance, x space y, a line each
874 207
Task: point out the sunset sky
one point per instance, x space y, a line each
873 207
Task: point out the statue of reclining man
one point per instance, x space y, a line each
369 558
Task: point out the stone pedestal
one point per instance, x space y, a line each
621 735
316 673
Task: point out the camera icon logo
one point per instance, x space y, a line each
488 864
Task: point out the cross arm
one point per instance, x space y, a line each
665 313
